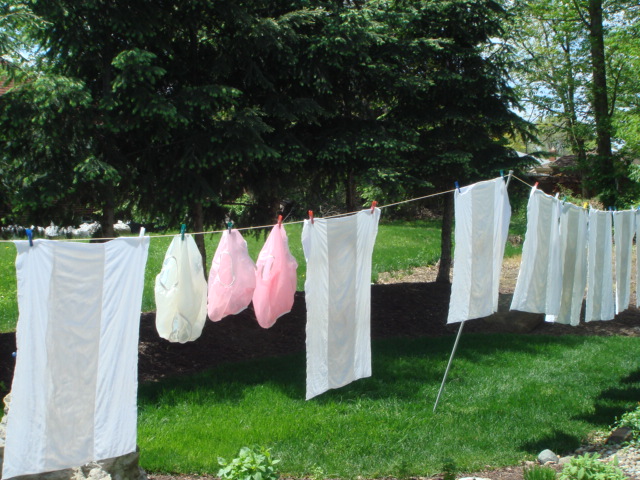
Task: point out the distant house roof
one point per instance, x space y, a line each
5 86
567 161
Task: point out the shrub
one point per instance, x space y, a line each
630 420
588 467
250 464
536 472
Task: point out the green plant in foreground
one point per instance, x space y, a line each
630 420
250 464
449 470
536 472
588 467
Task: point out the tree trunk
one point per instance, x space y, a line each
445 240
198 225
109 214
350 192
599 70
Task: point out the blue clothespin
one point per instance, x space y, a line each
502 173
29 233
457 186
611 209
183 229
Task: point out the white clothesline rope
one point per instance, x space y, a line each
273 224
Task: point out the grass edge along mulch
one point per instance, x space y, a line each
507 398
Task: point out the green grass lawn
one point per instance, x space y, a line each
508 397
399 246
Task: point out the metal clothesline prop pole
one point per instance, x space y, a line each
455 344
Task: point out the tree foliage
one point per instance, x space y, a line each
195 104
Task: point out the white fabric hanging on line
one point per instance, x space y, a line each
482 214
276 278
232 278
338 297
539 281
600 298
181 292
574 224
75 383
624 229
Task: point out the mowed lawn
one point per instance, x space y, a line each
508 397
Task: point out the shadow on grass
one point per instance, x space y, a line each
558 442
613 402
401 368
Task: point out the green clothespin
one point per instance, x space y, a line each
229 225
183 229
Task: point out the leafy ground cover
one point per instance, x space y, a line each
507 398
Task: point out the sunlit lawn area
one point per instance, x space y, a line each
507 398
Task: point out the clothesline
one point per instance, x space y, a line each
270 225
402 202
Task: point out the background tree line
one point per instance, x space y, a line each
182 111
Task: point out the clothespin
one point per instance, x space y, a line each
229 226
585 205
29 233
311 216
374 204
280 221
502 173
142 230
610 209
457 186
183 229
535 185
564 199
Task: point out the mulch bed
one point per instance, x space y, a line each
397 310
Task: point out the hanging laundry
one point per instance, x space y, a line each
338 297
482 214
539 281
276 279
75 384
181 292
232 278
624 229
600 303
574 222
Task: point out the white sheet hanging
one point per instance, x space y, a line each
540 277
624 229
75 382
600 299
338 297
482 214
181 292
574 224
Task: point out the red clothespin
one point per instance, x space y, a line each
535 185
374 204
280 221
311 215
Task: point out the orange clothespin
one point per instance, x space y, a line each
536 185
374 204
280 221
311 215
